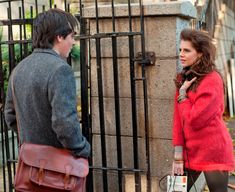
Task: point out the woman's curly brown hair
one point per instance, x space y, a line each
202 43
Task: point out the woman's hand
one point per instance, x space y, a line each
187 84
178 167
178 163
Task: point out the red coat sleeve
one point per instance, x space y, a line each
197 112
178 139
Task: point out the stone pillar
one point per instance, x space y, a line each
132 1
86 2
109 1
163 24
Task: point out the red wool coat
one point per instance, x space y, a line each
198 127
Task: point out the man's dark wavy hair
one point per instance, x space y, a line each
52 23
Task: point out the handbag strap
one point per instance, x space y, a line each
14 104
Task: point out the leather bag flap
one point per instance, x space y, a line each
54 159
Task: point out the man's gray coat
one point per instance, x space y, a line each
45 92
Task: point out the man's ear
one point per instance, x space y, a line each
58 38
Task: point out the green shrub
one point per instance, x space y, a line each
75 52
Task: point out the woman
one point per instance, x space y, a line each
200 137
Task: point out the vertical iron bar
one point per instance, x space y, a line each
12 65
101 113
97 17
86 124
2 99
113 17
11 58
68 7
117 102
65 5
31 12
133 104
146 118
10 179
31 16
36 6
50 2
81 7
3 154
90 91
90 112
10 49
20 28
24 27
141 7
101 103
10 39
43 8
84 79
86 121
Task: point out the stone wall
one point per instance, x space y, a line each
125 1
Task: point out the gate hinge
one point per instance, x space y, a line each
148 60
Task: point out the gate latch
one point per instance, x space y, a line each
148 60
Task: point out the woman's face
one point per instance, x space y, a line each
188 55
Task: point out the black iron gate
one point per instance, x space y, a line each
15 44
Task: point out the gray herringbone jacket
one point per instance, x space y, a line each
45 94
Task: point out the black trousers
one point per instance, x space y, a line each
217 181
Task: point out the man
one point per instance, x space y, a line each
45 90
